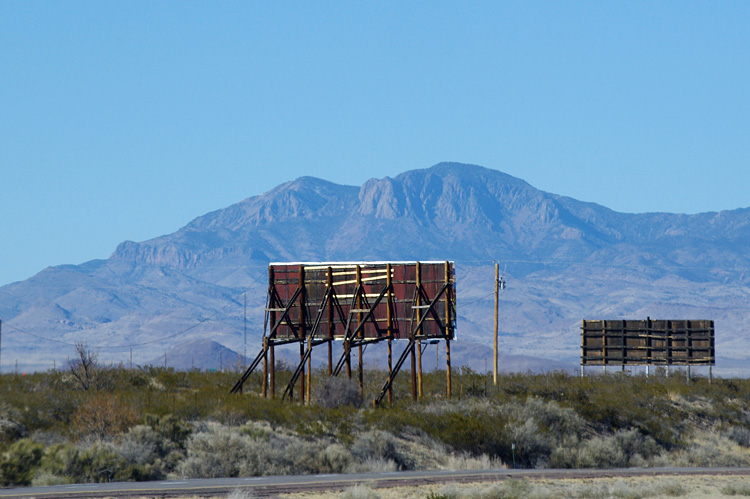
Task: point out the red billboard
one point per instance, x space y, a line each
364 300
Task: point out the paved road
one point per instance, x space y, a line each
274 485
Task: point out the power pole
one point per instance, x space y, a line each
499 284
497 297
244 351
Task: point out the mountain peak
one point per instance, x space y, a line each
570 259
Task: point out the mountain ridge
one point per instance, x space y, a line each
565 259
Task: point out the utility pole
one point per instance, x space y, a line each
497 297
499 284
244 352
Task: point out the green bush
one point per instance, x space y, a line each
378 445
100 463
11 428
19 462
337 392
169 429
217 451
62 461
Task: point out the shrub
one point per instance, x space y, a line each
139 445
11 428
532 445
19 462
507 489
218 451
213 454
468 462
61 461
100 463
671 488
732 489
240 494
710 449
103 415
169 428
64 463
359 492
553 419
338 392
740 435
625 448
44 479
600 452
378 445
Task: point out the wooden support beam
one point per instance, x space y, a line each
331 327
389 330
273 371
265 368
309 369
360 326
302 331
272 320
237 388
448 328
419 331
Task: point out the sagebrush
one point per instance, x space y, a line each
155 423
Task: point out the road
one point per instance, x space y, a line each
272 486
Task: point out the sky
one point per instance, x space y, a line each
125 120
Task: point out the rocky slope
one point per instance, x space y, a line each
564 260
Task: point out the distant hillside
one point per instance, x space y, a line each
202 354
563 259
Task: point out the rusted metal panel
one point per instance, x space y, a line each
364 306
647 342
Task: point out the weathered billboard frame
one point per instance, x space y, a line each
649 342
358 303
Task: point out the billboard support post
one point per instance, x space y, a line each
360 368
309 369
272 318
448 327
272 378
264 391
301 332
419 330
389 325
331 325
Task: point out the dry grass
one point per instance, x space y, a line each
651 487
656 487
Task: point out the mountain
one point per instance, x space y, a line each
563 259
202 354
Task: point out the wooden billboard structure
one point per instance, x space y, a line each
357 303
647 343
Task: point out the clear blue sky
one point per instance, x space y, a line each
125 120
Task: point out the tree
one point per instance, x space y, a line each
85 367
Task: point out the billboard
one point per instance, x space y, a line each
365 300
647 342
